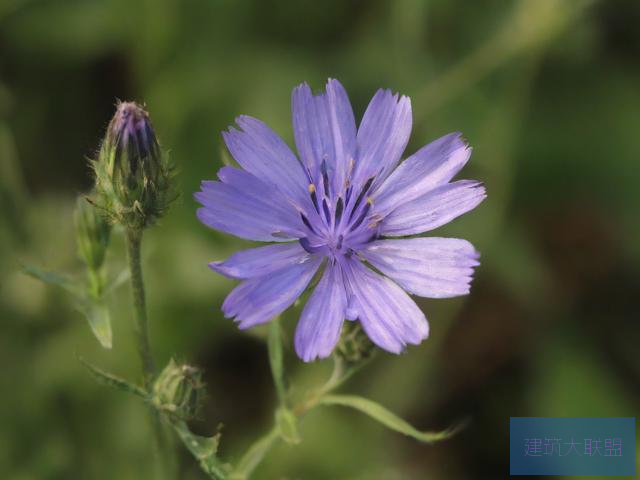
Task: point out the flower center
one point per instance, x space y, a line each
340 224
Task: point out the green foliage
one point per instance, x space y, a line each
53 278
87 301
387 418
97 314
113 381
204 449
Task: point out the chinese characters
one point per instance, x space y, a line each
534 447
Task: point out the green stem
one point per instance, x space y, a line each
163 444
252 458
256 453
134 239
274 344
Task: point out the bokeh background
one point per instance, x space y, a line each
546 91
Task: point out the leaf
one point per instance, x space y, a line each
275 359
388 418
112 381
200 447
204 449
52 278
122 277
287 426
97 314
95 311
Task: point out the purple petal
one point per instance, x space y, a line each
244 206
257 262
262 191
319 327
429 267
382 136
433 165
325 130
259 299
264 154
433 209
387 314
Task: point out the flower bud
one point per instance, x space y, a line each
133 178
92 234
178 391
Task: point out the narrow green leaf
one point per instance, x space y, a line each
387 418
118 281
97 314
52 278
94 310
112 381
275 359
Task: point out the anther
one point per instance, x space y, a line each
339 210
363 192
306 221
314 197
325 177
325 207
362 216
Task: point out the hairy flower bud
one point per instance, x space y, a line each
92 234
133 177
178 391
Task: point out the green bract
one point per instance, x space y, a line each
178 391
92 234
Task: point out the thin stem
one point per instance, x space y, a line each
274 344
256 453
134 239
252 458
340 374
163 444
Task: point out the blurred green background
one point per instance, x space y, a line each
546 91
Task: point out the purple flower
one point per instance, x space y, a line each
338 207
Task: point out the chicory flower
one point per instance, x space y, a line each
338 207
